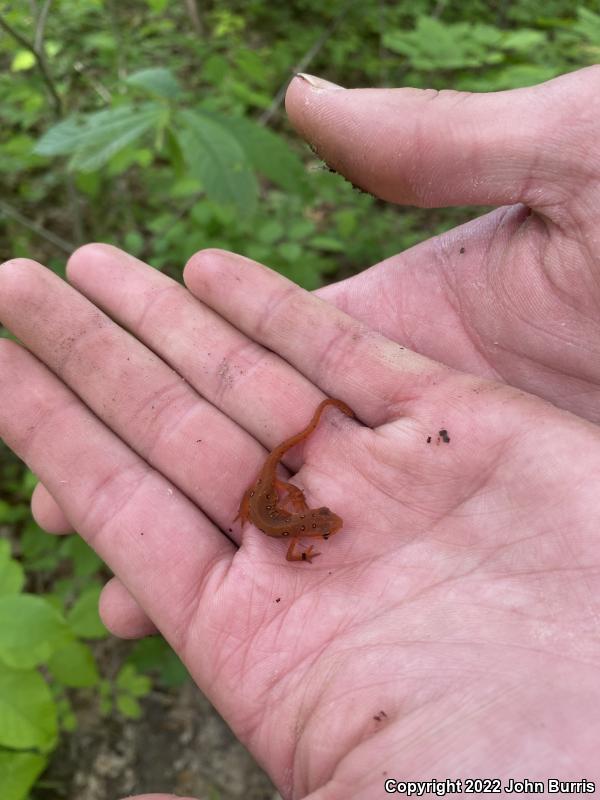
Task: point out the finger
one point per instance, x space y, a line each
342 356
122 614
429 148
47 513
254 387
143 400
151 536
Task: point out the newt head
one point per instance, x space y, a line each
323 522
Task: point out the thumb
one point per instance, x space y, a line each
429 148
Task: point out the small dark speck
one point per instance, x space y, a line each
380 716
443 434
198 440
230 530
462 250
278 599
141 533
429 440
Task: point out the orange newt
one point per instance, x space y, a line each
262 505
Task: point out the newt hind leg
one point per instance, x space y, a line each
305 555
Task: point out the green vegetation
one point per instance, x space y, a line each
159 127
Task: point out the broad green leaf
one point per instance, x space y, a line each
84 619
290 250
86 561
23 60
436 45
12 576
327 243
74 665
269 154
39 551
216 158
588 25
30 630
27 710
153 653
129 706
93 139
12 512
157 80
130 680
18 773
270 231
524 40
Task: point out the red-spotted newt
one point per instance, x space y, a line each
263 506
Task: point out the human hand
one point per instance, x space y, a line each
513 295
495 297
463 588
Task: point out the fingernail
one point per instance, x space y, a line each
317 83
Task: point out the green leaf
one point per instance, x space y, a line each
12 512
129 706
216 158
436 45
74 665
39 551
290 250
130 680
30 630
12 576
588 25
27 710
327 243
93 139
270 231
18 773
156 80
23 60
269 154
86 561
155 654
84 619
524 40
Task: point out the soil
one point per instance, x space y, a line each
180 745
